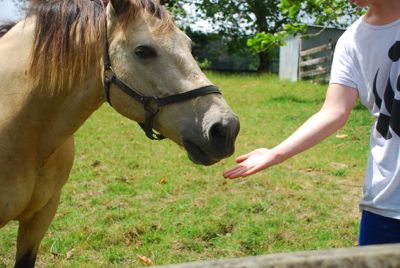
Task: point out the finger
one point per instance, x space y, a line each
232 172
241 158
251 171
236 172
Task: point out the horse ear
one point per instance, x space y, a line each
119 6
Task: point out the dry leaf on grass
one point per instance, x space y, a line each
342 136
54 255
70 254
145 260
163 180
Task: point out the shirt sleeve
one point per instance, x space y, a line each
344 66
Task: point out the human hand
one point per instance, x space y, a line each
252 163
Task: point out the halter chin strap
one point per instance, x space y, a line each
151 105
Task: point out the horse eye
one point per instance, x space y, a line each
145 52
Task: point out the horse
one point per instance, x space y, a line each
66 59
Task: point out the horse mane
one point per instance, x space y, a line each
6 27
69 33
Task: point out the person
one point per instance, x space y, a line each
366 66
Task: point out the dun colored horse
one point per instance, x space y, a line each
61 64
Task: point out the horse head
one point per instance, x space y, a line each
150 56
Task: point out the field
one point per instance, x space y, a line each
128 196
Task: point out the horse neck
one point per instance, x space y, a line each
40 119
71 107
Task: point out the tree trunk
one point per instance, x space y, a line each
265 62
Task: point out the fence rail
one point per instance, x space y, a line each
387 256
313 65
316 49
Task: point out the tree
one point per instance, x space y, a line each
336 13
175 7
333 13
236 20
263 24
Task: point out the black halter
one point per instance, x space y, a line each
152 105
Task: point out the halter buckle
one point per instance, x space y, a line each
150 104
108 74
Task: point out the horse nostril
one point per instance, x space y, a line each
222 137
218 132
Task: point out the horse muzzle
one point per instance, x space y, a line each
218 142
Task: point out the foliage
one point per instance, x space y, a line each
263 24
334 13
236 20
176 9
209 48
204 64
265 41
129 198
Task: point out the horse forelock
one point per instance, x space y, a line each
150 6
69 33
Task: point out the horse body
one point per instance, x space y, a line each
39 115
36 140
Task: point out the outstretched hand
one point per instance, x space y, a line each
252 163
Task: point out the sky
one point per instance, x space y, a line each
8 11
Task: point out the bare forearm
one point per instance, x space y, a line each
314 130
333 115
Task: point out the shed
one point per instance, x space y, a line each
308 56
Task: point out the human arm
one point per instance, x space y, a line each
339 102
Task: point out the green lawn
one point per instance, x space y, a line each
129 196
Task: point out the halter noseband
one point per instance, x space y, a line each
151 105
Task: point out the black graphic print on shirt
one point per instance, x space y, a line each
389 106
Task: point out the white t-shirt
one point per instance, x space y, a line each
367 59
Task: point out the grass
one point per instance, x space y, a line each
128 196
